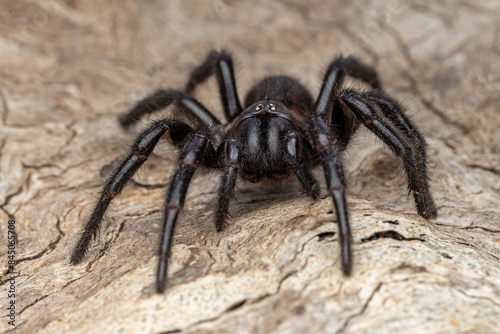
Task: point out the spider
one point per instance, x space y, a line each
280 132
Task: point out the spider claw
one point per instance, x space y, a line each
161 278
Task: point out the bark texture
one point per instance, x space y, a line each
68 69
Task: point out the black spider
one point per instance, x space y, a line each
281 131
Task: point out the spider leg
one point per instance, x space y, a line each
336 184
395 113
141 150
343 126
300 168
413 160
358 70
226 191
334 77
189 159
162 99
222 64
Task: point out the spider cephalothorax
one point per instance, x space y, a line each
281 132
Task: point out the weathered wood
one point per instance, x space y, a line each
69 69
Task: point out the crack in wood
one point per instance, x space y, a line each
107 244
50 247
389 234
347 322
15 193
442 48
477 297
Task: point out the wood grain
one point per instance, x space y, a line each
68 69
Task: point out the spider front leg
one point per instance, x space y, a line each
190 158
141 150
221 64
300 168
334 78
395 113
335 182
413 159
232 164
162 99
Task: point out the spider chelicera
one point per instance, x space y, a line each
281 131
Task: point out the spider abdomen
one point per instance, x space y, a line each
282 89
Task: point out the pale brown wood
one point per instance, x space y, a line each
68 69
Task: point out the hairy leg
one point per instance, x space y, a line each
162 99
300 167
413 160
221 64
140 152
336 184
334 78
189 159
232 160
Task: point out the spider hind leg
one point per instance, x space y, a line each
189 160
409 146
140 152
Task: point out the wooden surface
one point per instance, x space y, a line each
68 69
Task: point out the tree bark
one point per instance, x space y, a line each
68 69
